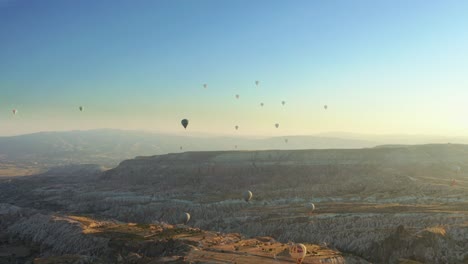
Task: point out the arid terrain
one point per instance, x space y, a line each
389 204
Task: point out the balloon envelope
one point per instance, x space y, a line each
184 123
237 96
298 251
283 102
247 196
261 104
325 106
237 127
14 111
185 218
276 125
81 108
311 206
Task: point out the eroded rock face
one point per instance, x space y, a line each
404 174
431 245
361 197
57 235
71 239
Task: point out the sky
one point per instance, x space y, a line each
381 67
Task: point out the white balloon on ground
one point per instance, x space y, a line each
298 252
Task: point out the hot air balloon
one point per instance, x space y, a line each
184 123
205 85
298 252
185 218
247 196
325 106
311 207
257 82
283 102
261 104
81 108
237 96
237 127
15 111
276 125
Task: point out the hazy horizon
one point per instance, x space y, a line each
378 139
389 67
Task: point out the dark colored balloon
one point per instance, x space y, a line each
184 123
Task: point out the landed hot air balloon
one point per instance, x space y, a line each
184 123
283 102
81 108
298 252
276 125
15 111
237 96
185 218
247 196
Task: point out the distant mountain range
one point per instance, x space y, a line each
108 147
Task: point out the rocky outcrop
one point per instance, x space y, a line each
79 240
361 197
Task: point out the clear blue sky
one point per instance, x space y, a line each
380 66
